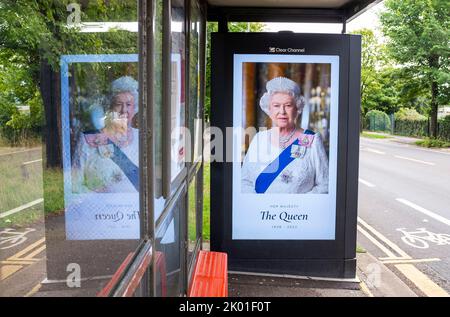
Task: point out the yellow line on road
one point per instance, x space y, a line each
427 286
28 249
8 270
377 243
388 242
34 253
365 289
18 262
33 291
15 263
400 261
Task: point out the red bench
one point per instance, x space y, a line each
210 275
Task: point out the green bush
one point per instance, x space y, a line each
18 128
377 121
409 114
409 122
444 128
433 143
417 128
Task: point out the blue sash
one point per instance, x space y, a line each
126 165
271 172
130 170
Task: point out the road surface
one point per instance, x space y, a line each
404 211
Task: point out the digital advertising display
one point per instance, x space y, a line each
284 174
284 187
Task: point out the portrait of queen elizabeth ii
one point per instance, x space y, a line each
284 159
106 158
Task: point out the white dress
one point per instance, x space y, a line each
94 170
307 174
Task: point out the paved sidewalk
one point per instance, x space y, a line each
373 279
405 140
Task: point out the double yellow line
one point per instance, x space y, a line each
402 262
21 259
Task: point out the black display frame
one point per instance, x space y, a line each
321 258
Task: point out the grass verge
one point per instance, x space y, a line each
433 143
360 249
23 218
374 135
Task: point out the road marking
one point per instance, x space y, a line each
27 249
17 152
35 252
414 160
34 290
410 261
368 149
366 183
365 289
8 270
93 278
427 150
17 262
421 236
427 286
377 243
31 162
20 208
424 211
388 242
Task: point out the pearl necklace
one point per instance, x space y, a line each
284 140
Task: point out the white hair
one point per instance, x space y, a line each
281 85
126 84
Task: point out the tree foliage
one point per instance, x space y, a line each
379 85
409 114
36 32
418 36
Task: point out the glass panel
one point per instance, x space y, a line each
157 94
178 59
168 253
72 201
192 223
195 122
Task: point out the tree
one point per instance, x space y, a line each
418 39
34 34
370 58
211 28
379 87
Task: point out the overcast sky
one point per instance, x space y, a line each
368 19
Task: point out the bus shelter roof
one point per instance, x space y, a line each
320 11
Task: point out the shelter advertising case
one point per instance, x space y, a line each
284 196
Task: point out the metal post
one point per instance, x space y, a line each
223 24
167 98
344 25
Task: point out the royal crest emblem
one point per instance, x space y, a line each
297 151
286 177
106 151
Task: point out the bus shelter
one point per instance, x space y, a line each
123 159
